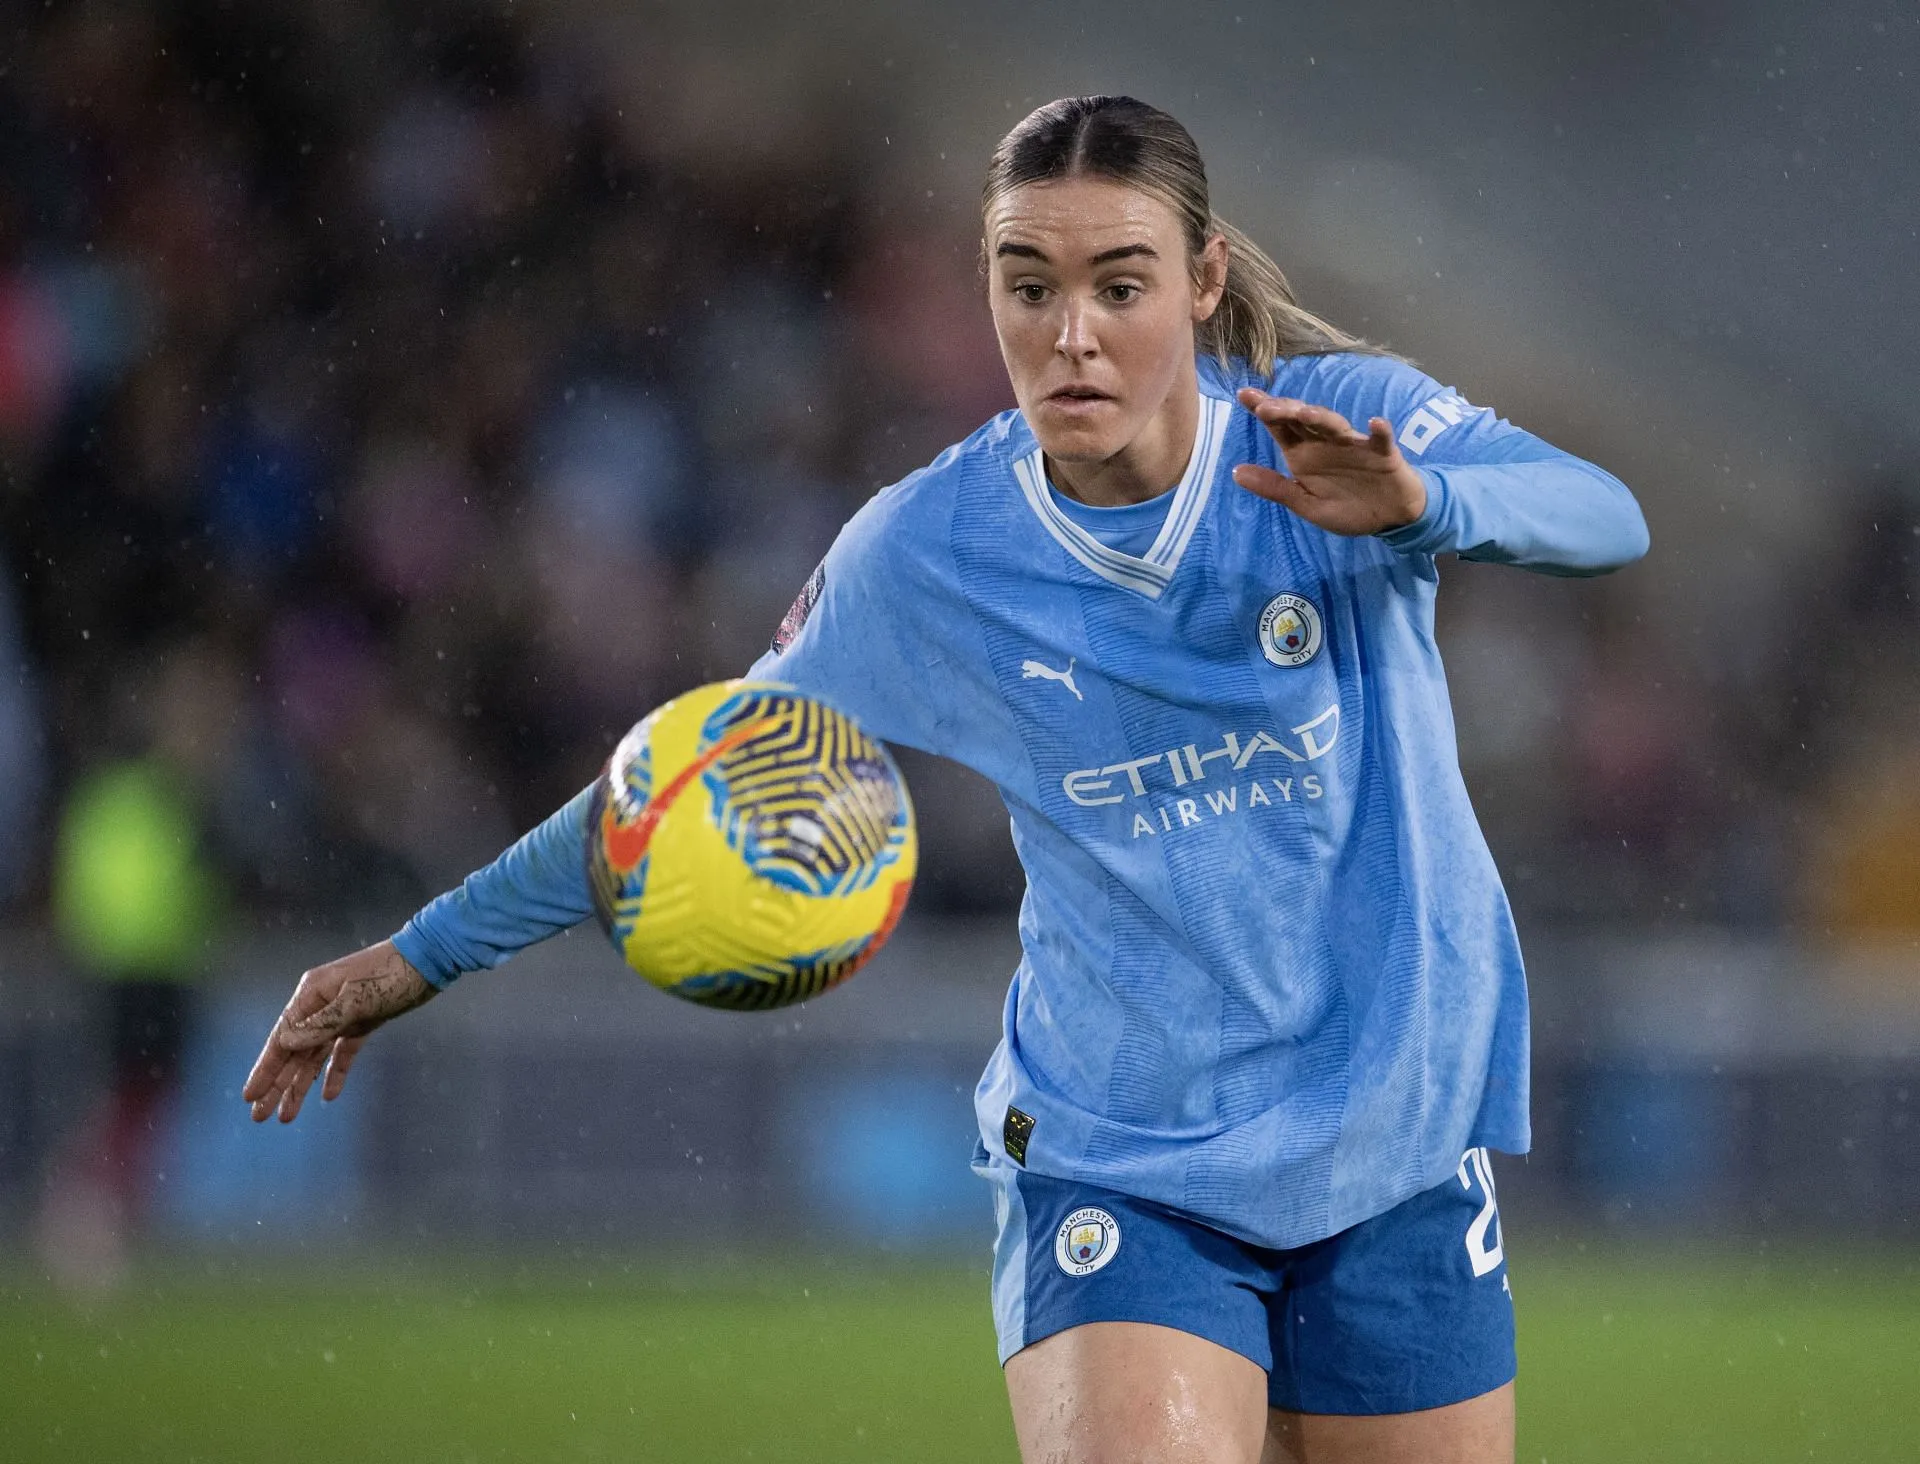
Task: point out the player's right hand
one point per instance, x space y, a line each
333 1009
1338 479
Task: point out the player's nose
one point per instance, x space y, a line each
1076 340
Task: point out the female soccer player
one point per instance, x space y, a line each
1270 1016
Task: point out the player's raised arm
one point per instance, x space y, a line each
1340 480
1434 474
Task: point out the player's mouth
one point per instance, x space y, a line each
1077 399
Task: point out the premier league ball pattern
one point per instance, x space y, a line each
749 846
807 800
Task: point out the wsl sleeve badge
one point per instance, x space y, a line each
1086 1240
1290 630
796 617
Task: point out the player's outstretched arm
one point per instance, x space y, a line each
332 1010
535 889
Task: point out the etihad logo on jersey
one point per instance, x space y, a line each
1156 775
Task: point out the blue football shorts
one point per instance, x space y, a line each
1408 1310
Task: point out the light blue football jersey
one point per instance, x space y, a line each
1269 974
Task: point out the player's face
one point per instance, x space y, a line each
1095 300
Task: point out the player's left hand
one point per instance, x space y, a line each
1343 481
322 1027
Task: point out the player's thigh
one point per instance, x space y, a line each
1405 1315
1477 1431
1136 1393
1130 1332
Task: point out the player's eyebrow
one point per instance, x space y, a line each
1105 256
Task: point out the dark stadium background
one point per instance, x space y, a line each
397 400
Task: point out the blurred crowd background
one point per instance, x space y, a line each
391 418
398 400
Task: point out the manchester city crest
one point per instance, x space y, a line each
1290 630
1086 1241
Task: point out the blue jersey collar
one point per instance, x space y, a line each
1148 574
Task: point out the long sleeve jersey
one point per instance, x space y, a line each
1269 974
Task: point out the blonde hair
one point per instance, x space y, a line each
1258 318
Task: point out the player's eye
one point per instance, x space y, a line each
1121 294
1033 294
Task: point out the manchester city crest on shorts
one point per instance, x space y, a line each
1086 1241
1289 630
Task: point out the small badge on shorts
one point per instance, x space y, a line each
1086 1241
1290 631
1014 1134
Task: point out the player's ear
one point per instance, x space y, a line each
1210 278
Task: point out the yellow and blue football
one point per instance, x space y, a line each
749 846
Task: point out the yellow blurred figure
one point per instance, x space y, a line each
1866 884
136 904
132 897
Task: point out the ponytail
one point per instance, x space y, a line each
1258 318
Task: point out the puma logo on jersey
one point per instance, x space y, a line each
1030 669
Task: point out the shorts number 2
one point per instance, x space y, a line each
1484 1251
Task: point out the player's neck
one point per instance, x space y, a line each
1146 467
